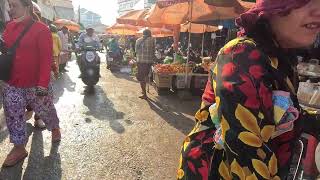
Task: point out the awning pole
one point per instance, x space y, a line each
203 40
189 43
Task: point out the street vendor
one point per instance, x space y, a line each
65 53
145 51
113 46
251 92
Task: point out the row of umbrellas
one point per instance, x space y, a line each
168 16
194 16
127 29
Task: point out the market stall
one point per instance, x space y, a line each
170 75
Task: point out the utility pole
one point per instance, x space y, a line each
79 15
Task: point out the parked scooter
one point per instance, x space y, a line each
114 60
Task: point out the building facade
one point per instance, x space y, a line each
4 16
63 9
4 8
127 5
89 18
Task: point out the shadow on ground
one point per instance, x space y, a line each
38 166
64 82
125 76
174 118
102 108
3 128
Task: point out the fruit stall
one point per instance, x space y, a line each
178 75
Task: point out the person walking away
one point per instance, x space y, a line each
64 58
29 83
57 48
252 90
145 51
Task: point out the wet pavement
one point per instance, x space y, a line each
108 134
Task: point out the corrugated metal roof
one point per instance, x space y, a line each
47 10
64 13
62 3
4 8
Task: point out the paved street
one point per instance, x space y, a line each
111 134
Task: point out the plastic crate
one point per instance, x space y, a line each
200 82
180 81
162 80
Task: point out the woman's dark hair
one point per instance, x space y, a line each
147 33
53 28
262 33
266 42
266 39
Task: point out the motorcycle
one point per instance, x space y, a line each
89 63
114 60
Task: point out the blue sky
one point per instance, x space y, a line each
108 9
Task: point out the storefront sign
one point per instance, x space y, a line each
125 5
165 3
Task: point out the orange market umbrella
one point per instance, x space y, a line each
122 29
179 13
134 17
138 18
72 26
158 32
198 28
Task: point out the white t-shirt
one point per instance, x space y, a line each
64 40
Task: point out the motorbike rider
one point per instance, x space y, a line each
113 47
89 38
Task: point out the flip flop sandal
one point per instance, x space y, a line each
13 160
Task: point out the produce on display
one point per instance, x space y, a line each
180 59
171 68
127 57
168 60
207 63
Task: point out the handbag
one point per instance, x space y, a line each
6 58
